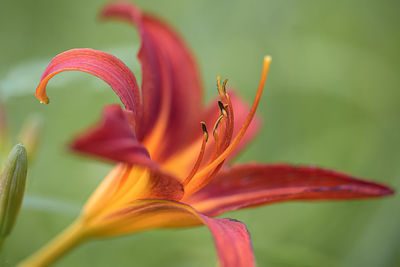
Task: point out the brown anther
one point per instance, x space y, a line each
204 128
222 109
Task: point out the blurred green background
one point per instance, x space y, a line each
331 100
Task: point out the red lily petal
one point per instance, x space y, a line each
232 241
114 139
256 184
169 74
101 64
231 237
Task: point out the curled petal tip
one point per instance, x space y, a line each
44 100
41 95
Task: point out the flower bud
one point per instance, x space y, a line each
12 187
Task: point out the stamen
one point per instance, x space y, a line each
224 86
221 142
204 128
222 109
230 123
201 154
238 138
219 86
217 143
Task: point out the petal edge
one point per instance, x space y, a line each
231 237
254 184
101 64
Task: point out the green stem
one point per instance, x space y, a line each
59 246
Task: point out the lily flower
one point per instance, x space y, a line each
172 153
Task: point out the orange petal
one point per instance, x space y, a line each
126 184
231 237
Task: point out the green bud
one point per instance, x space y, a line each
12 187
